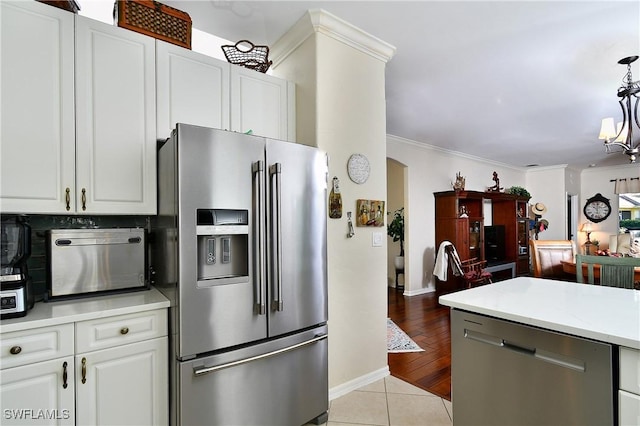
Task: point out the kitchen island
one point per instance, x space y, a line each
542 351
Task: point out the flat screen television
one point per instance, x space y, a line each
494 250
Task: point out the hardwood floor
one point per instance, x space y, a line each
427 323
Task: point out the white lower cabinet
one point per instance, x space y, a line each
112 370
124 385
629 414
39 393
629 393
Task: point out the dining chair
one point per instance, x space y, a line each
614 271
547 257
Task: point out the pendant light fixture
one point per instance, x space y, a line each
622 137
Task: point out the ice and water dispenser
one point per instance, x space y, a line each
223 246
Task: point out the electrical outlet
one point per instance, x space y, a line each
376 239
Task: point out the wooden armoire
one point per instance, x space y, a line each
460 219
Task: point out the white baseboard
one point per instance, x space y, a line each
351 385
419 291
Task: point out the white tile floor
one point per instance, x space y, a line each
390 402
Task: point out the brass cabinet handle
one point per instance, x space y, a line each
64 375
67 198
84 370
84 199
15 350
124 330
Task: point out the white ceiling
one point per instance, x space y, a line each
518 82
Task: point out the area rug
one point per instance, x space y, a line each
398 341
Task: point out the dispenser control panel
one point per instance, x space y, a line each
223 246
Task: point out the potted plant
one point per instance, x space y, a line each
519 191
395 229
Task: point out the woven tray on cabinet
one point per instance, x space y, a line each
154 19
248 55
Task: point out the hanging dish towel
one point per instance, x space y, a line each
447 255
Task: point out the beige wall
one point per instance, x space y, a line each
395 200
341 109
547 186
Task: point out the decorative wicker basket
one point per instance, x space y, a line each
253 57
154 19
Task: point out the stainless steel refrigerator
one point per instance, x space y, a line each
239 247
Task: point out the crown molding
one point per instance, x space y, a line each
322 22
428 147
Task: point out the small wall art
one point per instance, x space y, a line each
370 213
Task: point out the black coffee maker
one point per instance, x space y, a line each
16 295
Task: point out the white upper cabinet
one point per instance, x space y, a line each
197 89
191 88
115 120
262 104
37 140
75 139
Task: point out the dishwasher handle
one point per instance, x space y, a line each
542 355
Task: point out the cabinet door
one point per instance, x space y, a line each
39 393
628 408
260 104
124 385
37 121
191 88
115 103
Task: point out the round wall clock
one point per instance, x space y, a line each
358 168
597 208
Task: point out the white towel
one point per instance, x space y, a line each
442 260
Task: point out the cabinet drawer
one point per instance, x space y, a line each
114 331
630 370
39 344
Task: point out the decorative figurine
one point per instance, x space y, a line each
459 185
496 187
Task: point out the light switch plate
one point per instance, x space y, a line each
376 239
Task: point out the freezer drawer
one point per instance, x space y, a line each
281 382
504 373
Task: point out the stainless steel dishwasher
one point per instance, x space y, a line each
505 373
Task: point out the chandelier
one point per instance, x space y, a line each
622 135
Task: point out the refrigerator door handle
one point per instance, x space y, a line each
206 370
258 172
275 171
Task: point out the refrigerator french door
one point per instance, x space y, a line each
241 252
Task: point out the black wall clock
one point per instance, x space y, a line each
597 208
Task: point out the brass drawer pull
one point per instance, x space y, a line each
124 330
84 370
15 350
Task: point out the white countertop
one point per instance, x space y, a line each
606 314
66 311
